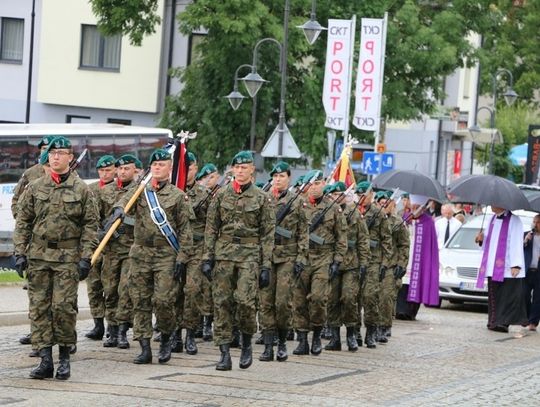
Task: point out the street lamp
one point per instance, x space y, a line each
509 95
312 29
476 129
235 98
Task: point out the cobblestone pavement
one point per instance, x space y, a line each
447 357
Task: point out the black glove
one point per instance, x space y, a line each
264 277
21 263
333 271
84 267
117 213
399 272
206 268
382 273
298 268
362 272
180 272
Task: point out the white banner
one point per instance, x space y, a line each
367 106
337 76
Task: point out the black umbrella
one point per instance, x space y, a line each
489 190
411 181
534 199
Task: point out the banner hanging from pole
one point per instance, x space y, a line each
370 75
336 89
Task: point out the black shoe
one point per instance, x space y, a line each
98 331
236 338
381 334
268 353
108 332
316 347
371 332
260 340
335 341
122 336
352 344
290 335
45 369
191 345
326 332
26 339
146 353
73 349
208 334
177 345
303 347
164 354
225 362
282 355
34 353
246 356
64 370
112 340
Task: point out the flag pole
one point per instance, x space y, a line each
348 105
383 56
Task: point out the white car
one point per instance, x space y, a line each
460 259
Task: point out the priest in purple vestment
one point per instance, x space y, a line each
423 268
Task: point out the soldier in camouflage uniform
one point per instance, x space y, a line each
156 267
239 239
55 235
290 252
380 244
96 296
116 263
344 287
327 249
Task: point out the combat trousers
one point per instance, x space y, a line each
52 288
342 299
152 287
207 303
124 311
115 262
193 292
275 307
387 298
94 287
310 295
235 286
370 295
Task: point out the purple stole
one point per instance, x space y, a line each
500 254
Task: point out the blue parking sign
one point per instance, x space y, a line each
387 162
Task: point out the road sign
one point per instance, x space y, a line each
387 162
381 148
374 163
289 150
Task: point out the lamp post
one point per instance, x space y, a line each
476 129
312 29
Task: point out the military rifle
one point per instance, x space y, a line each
409 216
320 216
372 219
222 182
76 162
359 203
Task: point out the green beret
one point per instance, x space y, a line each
126 159
105 161
53 143
191 158
207 169
44 157
339 186
138 164
281 166
328 189
45 141
260 184
159 155
382 195
405 195
363 186
299 181
243 157
313 173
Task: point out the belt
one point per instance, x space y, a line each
61 244
152 242
239 240
314 246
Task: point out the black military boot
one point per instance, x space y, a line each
64 370
335 341
290 335
225 362
177 345
122 336
381 335
371 332
164 354
326 332
26 339
198 332
191 345
260 340
34 353
388 331
358 336
282 346
73 349
246 357
316 347
112 340
351 339
98 331
208 335
236 338
146 355
303 347
268 353
45 369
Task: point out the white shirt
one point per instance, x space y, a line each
514 247
440 229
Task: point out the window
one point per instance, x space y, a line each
195 39
12 39
73 118
125 122
97 51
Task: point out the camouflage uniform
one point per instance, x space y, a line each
46 212
31 174
151 285
239 235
